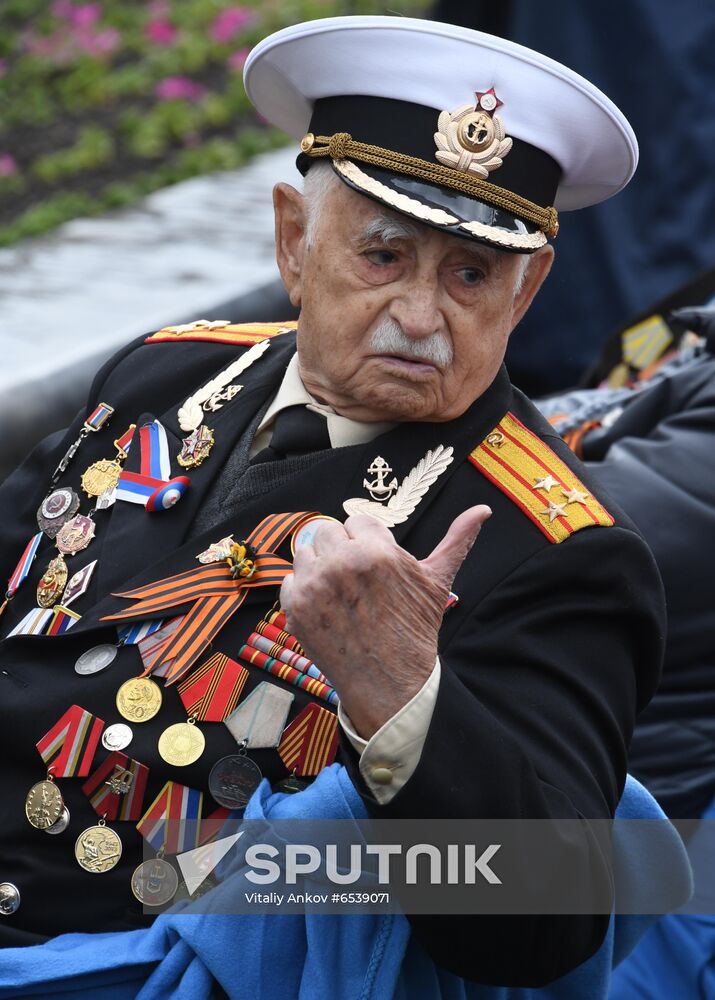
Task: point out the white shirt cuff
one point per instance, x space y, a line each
389 758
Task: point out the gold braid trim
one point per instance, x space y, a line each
342 146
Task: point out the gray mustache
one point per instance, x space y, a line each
389 338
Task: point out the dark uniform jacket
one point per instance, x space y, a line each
547 659
657 461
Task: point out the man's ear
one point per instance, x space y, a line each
537 269
290 219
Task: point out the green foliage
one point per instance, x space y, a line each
96 115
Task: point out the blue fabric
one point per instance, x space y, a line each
311 957
676 958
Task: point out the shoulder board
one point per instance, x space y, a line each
221 332
524 468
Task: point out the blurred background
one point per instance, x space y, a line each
135 179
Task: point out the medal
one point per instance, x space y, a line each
117 737
196 448
138 699
234 779
98 848
75 535
68 748
102 477
116 788
182 744
62 823
211 692
310 742
52 583
154 883
56 509
95 659
78 584
44 804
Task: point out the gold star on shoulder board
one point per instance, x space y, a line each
575 496
547 483
554 510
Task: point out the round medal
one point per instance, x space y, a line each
50 587
306 532
62 823
116 737
100 477
139 699
181 744
44 804
98 849
56 509
154 883
233 780
95 659
75 535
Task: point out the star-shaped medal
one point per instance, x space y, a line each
575 496
547 483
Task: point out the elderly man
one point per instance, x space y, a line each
373 443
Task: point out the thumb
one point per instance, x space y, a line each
449 554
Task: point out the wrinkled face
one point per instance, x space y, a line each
398 321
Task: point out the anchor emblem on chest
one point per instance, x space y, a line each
377 488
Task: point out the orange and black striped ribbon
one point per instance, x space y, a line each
215 595
212 691
310 742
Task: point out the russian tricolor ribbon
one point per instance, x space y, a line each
116 788
62 621
152 486
19 574
213 593
69 747
310 742
172 820
211 692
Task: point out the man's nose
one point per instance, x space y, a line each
417 308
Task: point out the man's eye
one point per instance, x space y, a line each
470 275
381 257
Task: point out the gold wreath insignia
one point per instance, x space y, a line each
471 140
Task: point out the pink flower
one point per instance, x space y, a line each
62 8
236 60
178 88
8 165
160 32
228 23
85 15
98 43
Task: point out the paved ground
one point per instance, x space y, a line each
94 284
69 299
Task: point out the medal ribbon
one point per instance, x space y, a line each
68 748
172 820
285 647
152 486
19 574
287 673
131 635
310 742
211 693
62 621
118 805
34 623
150 648
216 596
98 417
215 823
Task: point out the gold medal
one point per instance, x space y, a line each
44 804
139 699
50 587
98 849
75 535
101 476
181 744
196 447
